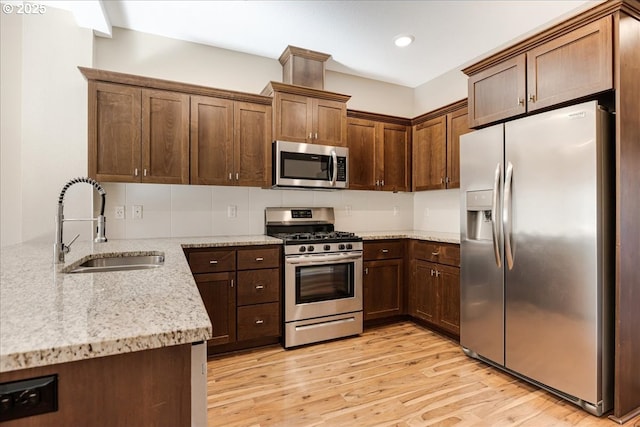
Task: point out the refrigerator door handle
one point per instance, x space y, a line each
494 216
506 216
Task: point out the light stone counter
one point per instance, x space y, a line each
434 236
49 317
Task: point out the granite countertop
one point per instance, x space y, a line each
49 317
434 236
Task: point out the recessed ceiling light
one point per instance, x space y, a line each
403 40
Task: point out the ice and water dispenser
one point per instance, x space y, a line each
479 214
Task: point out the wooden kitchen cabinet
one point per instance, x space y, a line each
137 134
378 152
434 294
383 279
303 114
570 66
230 142
436 147
240 288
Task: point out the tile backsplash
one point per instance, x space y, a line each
193 210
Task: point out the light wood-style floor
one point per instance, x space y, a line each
395 375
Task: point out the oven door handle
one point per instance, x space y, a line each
322 259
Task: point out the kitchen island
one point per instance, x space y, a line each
119 342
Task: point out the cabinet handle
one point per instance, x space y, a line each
230 178
366 270
310 135
446 179
437 273
436 253
316 135
532 98
441 180
520 101
259 287
384 251
144 172
237 176
259 259
382 183
377 182
259 322
135 172
431 272
232 283
213 261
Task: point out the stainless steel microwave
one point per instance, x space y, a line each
296 164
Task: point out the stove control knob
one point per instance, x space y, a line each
327 247
302 249
310 248
341 246
349 246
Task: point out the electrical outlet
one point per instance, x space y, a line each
232 211
118 212
136 211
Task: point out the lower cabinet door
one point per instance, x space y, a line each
259 320
449 298
218 293
425 291
382 285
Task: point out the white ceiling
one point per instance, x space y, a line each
358 34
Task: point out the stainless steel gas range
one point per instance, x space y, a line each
322 275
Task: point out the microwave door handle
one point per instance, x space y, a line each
334 174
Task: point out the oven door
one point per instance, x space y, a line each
322 285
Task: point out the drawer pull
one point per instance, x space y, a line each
384 251
258 287
259 322
213 261
436 253
259 259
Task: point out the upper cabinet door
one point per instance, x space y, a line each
571 66
361 137
114 132
292 117
329 122
429 154
165 137
457 125
395 154
252 144
211 140
498 92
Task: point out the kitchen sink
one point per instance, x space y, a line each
118 262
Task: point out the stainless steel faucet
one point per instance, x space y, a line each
59 247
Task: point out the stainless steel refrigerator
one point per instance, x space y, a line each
536 251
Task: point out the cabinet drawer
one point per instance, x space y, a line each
212 261
383 250
260 320
443 253
249 259
258 286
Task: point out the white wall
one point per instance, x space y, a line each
50 133
10 128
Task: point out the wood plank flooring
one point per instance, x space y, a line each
394 375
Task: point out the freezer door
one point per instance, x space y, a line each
481 274
553 225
